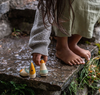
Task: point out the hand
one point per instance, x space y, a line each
37 57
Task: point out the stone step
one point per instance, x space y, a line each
23 4
16 14
15 55
7 5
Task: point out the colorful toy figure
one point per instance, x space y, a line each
32 72
28 72
24 72
43 69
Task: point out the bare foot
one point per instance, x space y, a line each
69 57
81 52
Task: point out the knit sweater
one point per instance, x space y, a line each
39 37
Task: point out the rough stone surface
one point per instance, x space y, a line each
48 92
4 7
23 4
97 34
15 54
20 14
21 19
98 85
5 29
83 91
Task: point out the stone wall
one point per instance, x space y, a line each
17 14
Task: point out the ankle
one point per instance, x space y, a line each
72 44
61 47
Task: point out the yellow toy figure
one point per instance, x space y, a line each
43 69
32 72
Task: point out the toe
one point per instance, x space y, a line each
76 61
70 63
89 53
88 57
73 62
79 61
83 61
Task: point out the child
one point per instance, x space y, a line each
86 15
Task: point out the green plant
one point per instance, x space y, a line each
98 45
16 32
11 88
90 75
87 42
72 89
64 93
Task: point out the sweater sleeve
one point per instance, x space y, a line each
39 37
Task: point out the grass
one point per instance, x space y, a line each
90 75
18 33
87 77
11 88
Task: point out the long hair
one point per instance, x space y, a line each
53 9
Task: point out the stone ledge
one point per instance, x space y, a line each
23 4
16 14
15 54
7 5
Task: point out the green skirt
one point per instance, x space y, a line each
87 13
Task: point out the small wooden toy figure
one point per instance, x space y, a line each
24 72
32 72
43 69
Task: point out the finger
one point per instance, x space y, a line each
34 58
45 58
38 57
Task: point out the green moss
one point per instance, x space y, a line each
99 52
98 45
87 42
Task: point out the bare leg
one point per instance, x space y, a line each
65 54
72 43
